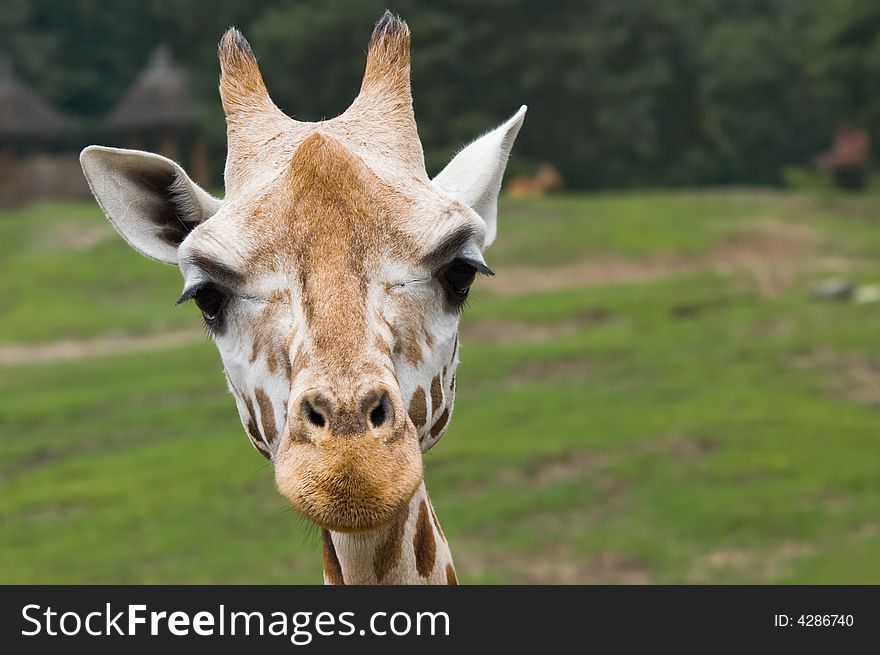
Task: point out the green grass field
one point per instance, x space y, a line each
648 393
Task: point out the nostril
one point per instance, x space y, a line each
313 416
379 414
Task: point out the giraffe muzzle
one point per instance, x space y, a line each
349 463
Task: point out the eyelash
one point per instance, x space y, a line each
211 301
457 277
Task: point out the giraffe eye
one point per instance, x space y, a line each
210 300
456 280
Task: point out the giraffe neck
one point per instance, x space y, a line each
410 550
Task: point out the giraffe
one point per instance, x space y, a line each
331 278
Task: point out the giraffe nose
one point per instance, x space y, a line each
376 411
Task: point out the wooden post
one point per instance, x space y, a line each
10 191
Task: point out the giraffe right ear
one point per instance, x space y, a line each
474 174
149 199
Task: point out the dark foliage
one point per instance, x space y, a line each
623 93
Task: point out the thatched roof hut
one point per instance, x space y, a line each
24 117
159 99
33 137
158 113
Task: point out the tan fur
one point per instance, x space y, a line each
388 61
385 91
242 90
252 119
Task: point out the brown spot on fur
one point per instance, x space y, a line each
287 368
266 338
382 346
251 424
388 551
423 543
440 423
388 325
332 567
300 361
437 524
252 430
451 579
288 364
436 394
409 331
279 296
418 410
267 415
452 383
410 349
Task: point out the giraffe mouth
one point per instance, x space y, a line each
350 485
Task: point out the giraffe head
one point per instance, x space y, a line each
331 277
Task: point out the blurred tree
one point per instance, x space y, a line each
625 93
849 39
761 103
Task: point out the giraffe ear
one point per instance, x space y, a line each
474 174
149 199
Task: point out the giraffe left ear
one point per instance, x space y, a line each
474 175
149 199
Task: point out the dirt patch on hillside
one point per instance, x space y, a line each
498 331
557 564
748 566
556 469
678 446
771 564
73 236
546 471
69 350
771 253
509 331
849 376
546 370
